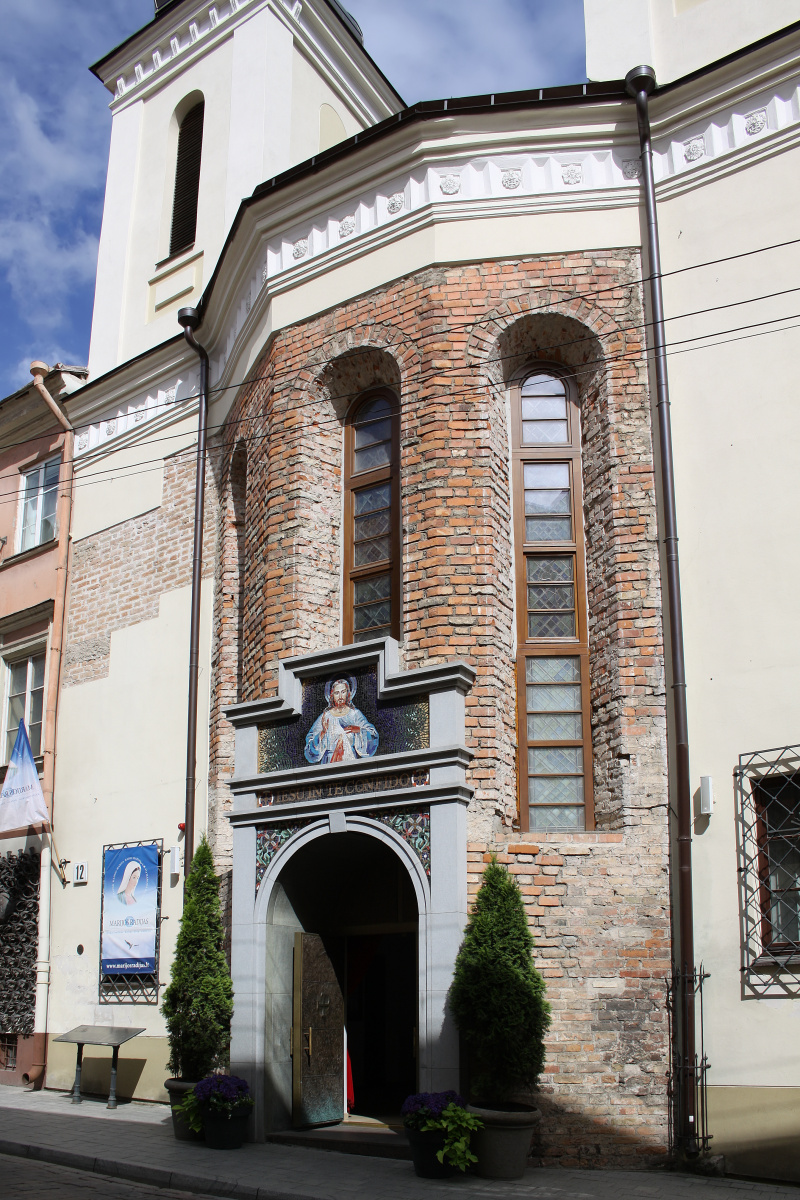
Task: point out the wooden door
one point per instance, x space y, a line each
317 1036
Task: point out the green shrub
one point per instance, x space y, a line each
497 996
198 1003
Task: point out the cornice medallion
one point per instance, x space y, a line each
572 174
511 178
755 122
694 149
450 185
395 203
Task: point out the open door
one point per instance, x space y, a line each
317 1036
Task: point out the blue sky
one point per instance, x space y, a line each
55 129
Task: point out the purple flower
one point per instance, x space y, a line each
428 1106
222 1091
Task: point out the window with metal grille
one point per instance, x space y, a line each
187 180
8 1051
372 515
39 499
768 818
553 656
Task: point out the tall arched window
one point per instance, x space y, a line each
555 768
372 519
187 180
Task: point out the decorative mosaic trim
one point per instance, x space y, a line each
269 840
414 828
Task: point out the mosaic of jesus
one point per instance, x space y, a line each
341 733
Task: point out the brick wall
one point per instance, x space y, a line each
449 340
118 575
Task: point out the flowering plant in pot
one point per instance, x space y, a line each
497 999
439 1126
219 1106
198 1003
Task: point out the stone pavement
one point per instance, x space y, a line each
135 1143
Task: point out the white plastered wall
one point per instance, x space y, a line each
120 776
309 93
675 37
736 425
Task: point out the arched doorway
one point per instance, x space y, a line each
343 977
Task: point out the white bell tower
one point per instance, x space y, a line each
270 83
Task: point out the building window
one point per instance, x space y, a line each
555 767
187 180
25 700
8 1052
372 519
768 820
39 498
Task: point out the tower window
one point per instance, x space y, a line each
187 180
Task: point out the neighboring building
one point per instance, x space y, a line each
433 480
33 560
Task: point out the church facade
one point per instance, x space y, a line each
434 624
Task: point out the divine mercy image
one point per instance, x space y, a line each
341 733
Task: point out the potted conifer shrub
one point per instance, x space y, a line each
498 1003
198 1003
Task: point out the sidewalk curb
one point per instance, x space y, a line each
161 1177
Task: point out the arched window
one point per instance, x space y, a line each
555 768
372 519
187 180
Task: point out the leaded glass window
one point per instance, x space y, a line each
555 730
372 560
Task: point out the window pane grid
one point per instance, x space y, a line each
25 702
372 608
40 498
554 728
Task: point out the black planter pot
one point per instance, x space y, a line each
424 1148
177 1089
502 1145
226 1132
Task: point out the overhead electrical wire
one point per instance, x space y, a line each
547 307
148 466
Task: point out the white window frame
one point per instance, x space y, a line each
23 653
40 470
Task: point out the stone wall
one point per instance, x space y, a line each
449 341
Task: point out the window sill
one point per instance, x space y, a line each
38 760
176 257
778 961
24 555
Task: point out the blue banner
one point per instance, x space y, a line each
130 911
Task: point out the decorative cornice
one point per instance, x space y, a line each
455 675
331 773
443 793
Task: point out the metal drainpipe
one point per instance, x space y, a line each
639 83
189 319
38 371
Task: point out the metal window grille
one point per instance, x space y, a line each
685 1003
133 988
767 785
8 1051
